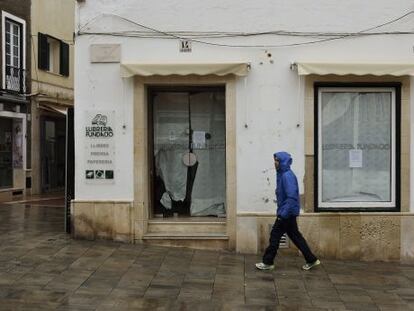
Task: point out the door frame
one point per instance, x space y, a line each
396 110
152 90
142 146
69 168
22 117
42 120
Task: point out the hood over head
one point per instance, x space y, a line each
285 160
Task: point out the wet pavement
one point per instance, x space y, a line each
42 268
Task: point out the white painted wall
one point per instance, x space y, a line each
269 100
412 146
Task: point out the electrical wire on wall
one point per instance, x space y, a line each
196 36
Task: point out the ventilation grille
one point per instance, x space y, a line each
284 241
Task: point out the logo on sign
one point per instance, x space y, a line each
99 174
100 120
90 174
99 127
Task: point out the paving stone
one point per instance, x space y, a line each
41 268
295 302
358 306
328 303
34 279
394 307
194 295
83 299
162 291
356 298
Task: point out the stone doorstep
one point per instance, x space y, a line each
193 240
184 236
187 227
11 190
9 194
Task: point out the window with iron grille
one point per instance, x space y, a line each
13 32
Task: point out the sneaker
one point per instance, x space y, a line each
309 265
263 266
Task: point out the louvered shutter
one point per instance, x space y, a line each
64 59
43 52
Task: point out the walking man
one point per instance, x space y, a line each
288 207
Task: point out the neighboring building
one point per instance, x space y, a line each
36 91
180 107
53 24
14 103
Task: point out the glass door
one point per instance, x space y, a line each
189 152
53 154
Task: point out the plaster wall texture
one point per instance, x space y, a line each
55 18
411 144
269 101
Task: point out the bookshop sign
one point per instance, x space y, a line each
100 147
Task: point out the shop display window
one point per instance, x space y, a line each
6 152
356 148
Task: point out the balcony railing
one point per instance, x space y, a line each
15 79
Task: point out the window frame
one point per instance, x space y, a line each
54 55
23 117
11 43
46 42
394 204
4 16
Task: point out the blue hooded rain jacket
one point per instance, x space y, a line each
287 190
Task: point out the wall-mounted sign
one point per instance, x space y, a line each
199 139
185 46
105 53
100 147
355 158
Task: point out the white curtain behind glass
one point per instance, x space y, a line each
171 122
208 115
350 121
171 142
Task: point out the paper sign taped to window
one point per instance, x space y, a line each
199 139
355 158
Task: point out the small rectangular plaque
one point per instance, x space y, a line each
355 158
105 53
185 46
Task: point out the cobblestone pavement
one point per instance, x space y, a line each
41 268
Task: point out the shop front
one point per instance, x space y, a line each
184 159
194 129
188 156
12 155
358 162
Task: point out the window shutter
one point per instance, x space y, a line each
64 59
43 52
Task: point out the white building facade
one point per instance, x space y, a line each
179 107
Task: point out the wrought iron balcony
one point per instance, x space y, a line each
15 80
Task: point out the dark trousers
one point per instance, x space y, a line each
290 227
